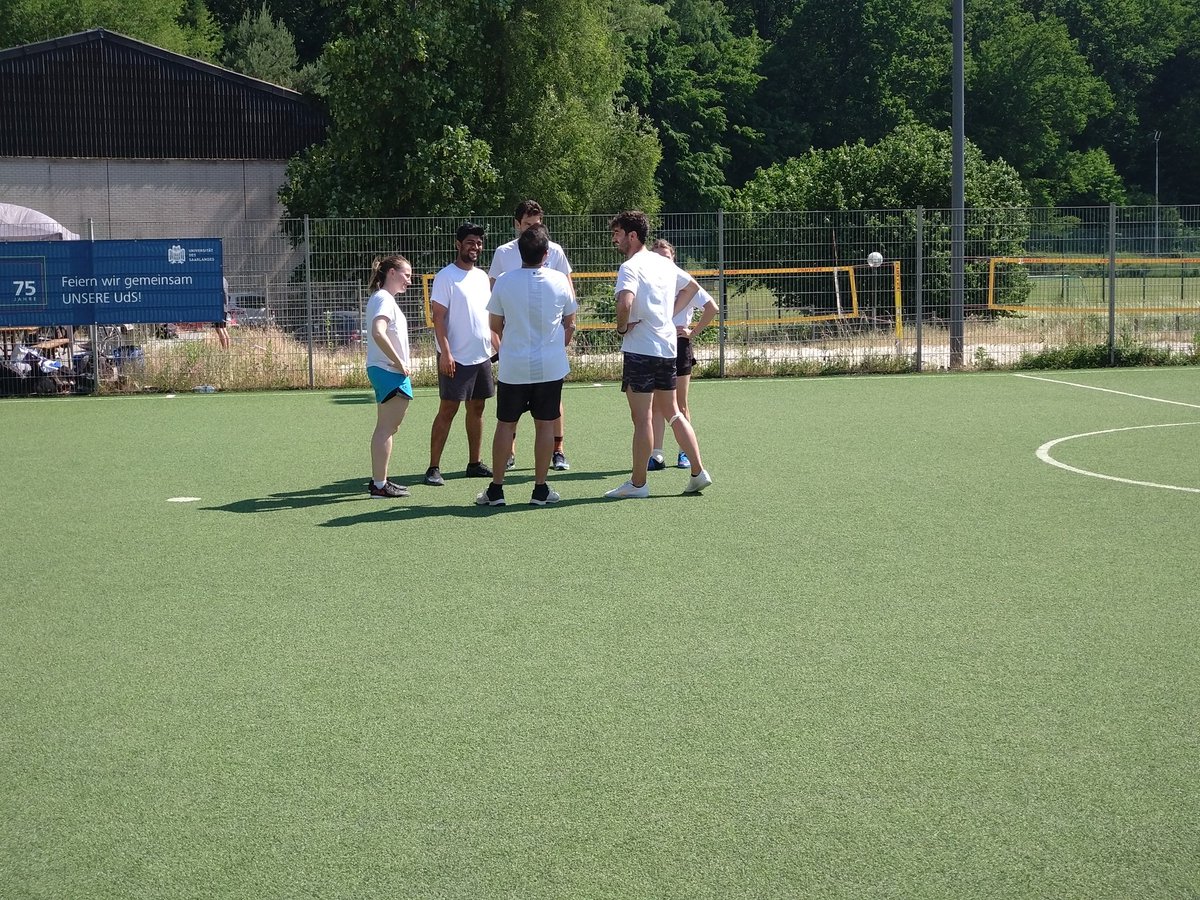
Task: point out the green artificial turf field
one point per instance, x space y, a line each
891 652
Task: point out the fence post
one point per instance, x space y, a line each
94 329
1112 284
308 300
920 276
721 293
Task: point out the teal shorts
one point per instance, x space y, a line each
388 384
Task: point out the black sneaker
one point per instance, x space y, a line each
433 476
388 491
542 494
511 464
559 461
479 470
493 496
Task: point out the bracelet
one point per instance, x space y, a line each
626 331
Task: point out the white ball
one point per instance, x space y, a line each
874 259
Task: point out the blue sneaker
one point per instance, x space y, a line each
683 461
656 464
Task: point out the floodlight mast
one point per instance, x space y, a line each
957 193
1157 135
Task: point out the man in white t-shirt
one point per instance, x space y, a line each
532 309
507 258
465 345
650 290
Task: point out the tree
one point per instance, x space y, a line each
908 168
694 80
848 69
766 18
165 23
262 47
203 34
453 106
1126 43
1040 95
396 106
551 113
312 23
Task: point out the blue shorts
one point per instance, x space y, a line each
388 384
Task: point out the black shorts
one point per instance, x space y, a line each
685 359
469 382
220 324
646 374
540 400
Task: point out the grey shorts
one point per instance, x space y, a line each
469 382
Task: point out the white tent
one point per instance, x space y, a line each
19 223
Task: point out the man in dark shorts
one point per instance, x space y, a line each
466 344
532 309
650 290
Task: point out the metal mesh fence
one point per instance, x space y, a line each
799 292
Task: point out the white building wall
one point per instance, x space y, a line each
235 200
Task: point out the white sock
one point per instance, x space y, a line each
657 453
378 484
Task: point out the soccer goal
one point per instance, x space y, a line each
1083 284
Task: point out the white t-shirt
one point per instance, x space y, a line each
382 303
699 300
654 281
507 258
464 293
533 303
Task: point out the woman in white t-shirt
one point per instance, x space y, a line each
388 363
685 359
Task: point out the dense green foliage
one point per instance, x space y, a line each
591 105
909 167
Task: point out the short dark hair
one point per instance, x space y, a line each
469 228
533 244
528 208
631 221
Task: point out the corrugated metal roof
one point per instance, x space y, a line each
103 95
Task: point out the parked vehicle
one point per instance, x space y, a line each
338 328
249 311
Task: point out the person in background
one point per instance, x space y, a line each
532 309
222 327
650 289
388 362
685 359
465 344
507 258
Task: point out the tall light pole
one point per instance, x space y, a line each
957 194
1157 135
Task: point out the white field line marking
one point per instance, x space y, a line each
1091 387
1043 453
182 499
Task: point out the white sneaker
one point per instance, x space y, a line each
697 483
628 489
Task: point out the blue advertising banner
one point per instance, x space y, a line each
110 282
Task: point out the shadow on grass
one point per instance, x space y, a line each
352 399
516 493
337 492
354 489
399 512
